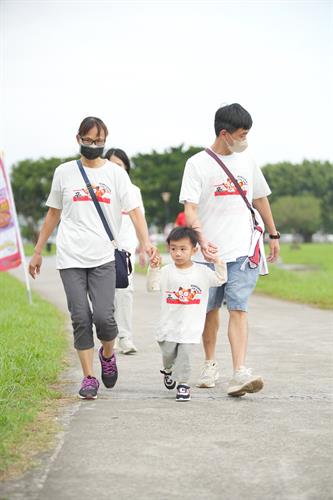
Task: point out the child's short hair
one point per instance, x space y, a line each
178 233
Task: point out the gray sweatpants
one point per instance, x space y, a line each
99 284
176 358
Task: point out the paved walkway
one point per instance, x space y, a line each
135 441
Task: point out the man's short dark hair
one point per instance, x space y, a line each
231 118
178 233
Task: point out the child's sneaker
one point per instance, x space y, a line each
243 381
168 381
89 388
209 375
183 392
109 369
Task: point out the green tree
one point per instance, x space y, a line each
31 182
314 178
298 215
327 206
308 177
156 173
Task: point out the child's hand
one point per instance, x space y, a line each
155 262
216 259
209 250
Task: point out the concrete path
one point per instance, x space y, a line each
135 441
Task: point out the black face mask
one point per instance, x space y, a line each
91 153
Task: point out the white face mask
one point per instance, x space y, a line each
238 146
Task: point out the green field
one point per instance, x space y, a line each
311 284
32 348
29 249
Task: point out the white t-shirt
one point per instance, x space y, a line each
127 236
81 239
225 219
184 297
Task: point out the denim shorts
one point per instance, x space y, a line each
237 290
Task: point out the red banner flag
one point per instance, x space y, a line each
10 255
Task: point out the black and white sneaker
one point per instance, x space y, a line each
168 381
183 392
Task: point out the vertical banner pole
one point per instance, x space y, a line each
18 232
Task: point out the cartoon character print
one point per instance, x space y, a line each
5 215
102 192
228 188
184 296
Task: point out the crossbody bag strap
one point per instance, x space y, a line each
95 200
234 180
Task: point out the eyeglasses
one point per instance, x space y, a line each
88 142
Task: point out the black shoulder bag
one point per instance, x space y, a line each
122 257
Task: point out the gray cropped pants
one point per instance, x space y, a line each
176 358
97 283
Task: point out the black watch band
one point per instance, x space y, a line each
276 236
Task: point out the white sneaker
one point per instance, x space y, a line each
126 346
209 375
243 382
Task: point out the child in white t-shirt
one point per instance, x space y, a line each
184 287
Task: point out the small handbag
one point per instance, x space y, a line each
122 257
256 254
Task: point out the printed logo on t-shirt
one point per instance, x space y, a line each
228 188
184 296
102 192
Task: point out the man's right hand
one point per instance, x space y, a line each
35 265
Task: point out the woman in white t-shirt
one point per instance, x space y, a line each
127 240
85 254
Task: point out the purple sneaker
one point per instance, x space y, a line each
89 388
109 369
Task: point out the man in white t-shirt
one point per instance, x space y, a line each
214 207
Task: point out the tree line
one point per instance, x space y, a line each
301 199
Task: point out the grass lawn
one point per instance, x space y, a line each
32 348
29 249
312 284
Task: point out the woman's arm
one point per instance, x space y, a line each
141 229
51 221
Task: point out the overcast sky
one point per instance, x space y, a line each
156 72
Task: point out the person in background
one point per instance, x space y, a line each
180 219
85 254
127 240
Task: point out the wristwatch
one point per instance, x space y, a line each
276 236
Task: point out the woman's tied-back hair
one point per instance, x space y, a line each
119 153
91 122
178 233
232 117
